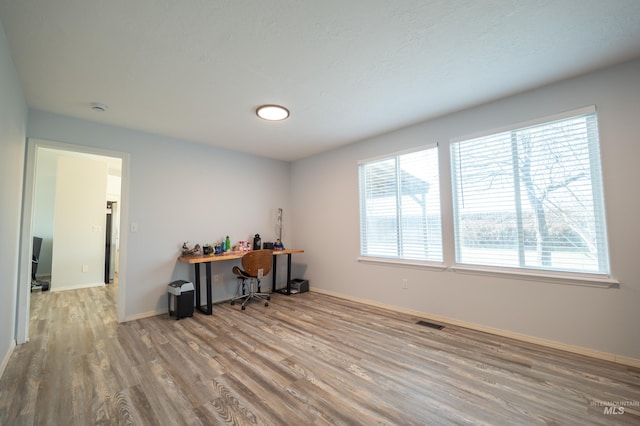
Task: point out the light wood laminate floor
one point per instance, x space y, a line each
307 359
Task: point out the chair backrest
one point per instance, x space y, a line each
254 260
37 244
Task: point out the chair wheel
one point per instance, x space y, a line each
268 297
233 303
266 303
244 307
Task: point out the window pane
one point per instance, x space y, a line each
400 207
379 208
531 198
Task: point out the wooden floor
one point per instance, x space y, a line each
307 359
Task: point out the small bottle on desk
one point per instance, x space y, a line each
227 244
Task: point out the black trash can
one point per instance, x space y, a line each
180 299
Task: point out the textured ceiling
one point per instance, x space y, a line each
347 70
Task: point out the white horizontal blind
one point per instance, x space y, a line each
400 207
532 198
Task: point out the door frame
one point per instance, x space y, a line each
28 202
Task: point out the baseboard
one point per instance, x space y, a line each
625 360
75 287
144 315
164 312
632 362
6 358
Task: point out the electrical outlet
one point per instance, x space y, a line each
85 268
405 284
217 278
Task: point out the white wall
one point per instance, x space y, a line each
13 118
44 207
45 198
178 191
326 222
79 231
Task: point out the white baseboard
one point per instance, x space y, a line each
144 315
633 362
75 287
7 356
625 360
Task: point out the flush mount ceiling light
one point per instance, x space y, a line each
99 106
272 112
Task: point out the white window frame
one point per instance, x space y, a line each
429 264
447 221
575 278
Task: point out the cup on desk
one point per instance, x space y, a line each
217 249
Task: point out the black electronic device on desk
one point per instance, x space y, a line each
257 242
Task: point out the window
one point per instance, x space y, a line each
532 197
400 207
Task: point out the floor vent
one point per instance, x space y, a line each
431 325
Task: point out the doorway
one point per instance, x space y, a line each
66 193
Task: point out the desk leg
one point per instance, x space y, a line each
209 290
274 272
287 289
209 308
197 265
289 273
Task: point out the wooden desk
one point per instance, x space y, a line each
209 259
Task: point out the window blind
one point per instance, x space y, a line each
400 207
532 198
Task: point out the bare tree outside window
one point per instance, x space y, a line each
531 198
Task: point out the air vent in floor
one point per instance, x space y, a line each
431 325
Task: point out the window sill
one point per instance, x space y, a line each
434 266
585 280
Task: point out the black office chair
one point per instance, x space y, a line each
255 265
35 260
